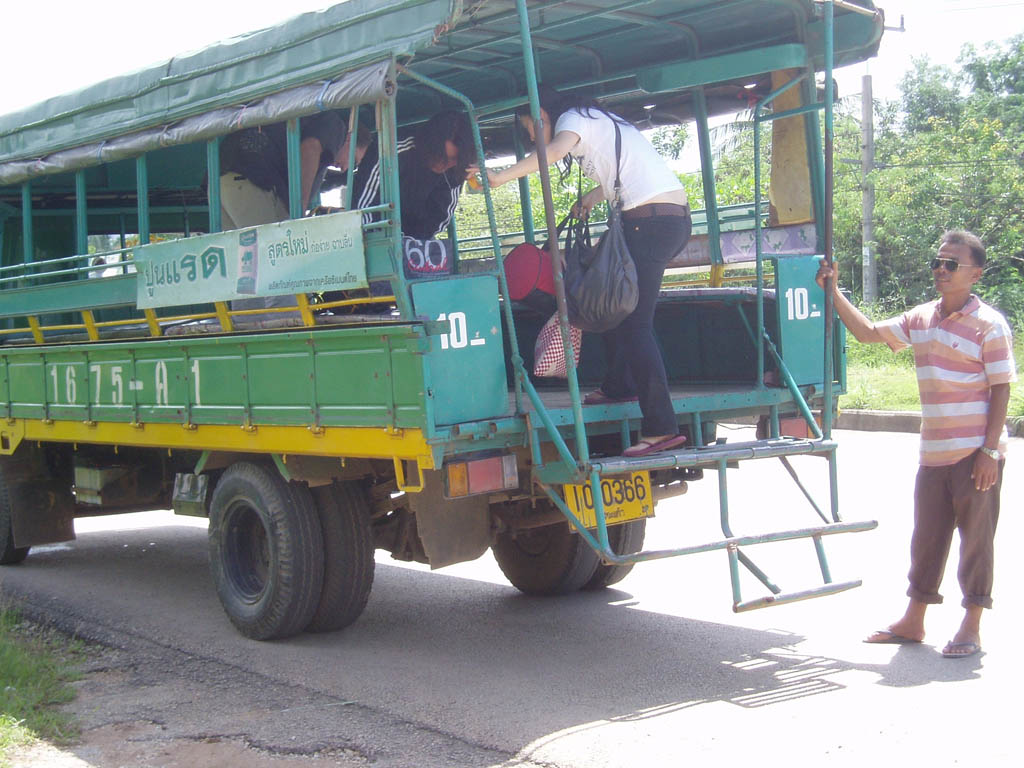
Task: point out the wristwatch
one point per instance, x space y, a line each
992 454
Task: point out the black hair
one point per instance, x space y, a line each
972 241
555 103
452 126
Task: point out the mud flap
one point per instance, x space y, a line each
451 530
41 513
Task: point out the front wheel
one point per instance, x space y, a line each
266 551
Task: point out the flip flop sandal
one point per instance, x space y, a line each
597 397
970 650
645 447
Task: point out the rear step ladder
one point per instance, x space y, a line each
717 456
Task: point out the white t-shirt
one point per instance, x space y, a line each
642 171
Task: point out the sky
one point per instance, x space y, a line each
48 51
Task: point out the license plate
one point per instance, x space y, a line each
625 497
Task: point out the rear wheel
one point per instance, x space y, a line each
344 514
624 539
552 560
9 554
266 551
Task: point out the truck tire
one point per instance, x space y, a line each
624 539
9 554
266 551
553 560
344 514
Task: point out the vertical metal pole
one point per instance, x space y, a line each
142 195
293 141
388 125
81 216
602 524
353 140
819 550
213 183
27 246
723 498
815 166
826 416
833 484
524 191
758 262
549 213
707 172
867 165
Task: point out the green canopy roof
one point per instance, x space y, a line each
635 53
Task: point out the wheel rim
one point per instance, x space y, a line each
537 541
247 550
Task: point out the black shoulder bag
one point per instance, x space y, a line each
601 286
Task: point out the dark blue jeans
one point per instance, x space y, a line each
635 366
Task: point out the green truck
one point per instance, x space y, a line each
410 421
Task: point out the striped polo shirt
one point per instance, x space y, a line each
958 359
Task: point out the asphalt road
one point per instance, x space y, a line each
456 668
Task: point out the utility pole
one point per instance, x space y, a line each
867 164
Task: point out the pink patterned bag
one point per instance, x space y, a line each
549 351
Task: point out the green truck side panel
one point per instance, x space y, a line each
333 377
467 364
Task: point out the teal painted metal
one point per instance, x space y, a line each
800 305
71 295
142 191
353 144
27 247
758 246
213 188
81 215
707 171
524 193
688 74
492 223
793 597
557 262
613 558
796 479
466 364
388 135
296 205
829 143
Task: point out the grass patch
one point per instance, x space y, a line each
878 380
35 676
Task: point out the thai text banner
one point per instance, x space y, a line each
323 253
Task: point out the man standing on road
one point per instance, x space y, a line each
964 357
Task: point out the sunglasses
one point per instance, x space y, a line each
950 265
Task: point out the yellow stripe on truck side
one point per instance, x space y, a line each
343 442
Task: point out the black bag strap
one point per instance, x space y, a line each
617 201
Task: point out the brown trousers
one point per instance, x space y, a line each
945 498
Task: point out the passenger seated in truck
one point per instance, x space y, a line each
432 165
254 180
